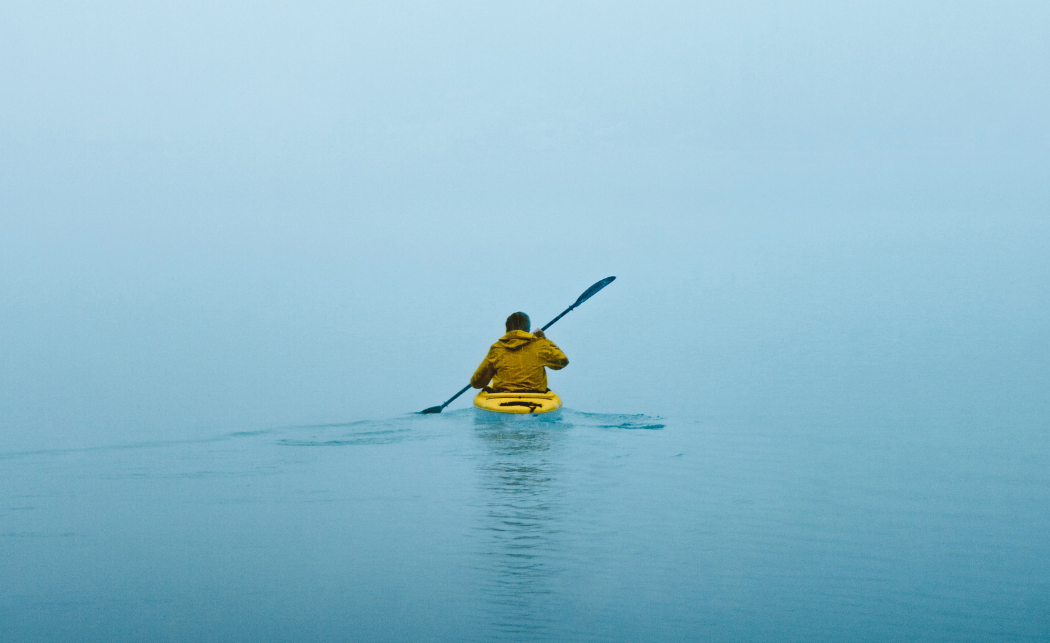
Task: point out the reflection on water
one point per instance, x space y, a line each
521 515
592 527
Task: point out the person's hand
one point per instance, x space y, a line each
539 333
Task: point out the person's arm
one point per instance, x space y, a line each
485 372
552 356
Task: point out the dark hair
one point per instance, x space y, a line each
518 321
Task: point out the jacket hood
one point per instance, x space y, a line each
515 339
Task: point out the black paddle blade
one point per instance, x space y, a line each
433 409
593 290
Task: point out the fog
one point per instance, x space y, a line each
240 242
257 214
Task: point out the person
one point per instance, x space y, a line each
517 362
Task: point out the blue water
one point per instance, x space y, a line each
592 527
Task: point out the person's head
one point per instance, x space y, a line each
518 321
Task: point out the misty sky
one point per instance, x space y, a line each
248 214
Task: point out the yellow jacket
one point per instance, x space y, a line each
516 361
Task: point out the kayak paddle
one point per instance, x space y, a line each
587 294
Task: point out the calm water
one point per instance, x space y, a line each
591 527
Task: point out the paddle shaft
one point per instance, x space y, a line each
467 387
584 297
563 313
453 398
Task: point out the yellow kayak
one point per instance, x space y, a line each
518 402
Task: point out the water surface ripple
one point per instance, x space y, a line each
587 527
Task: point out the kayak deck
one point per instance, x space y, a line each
518 403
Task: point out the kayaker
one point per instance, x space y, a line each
517 361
